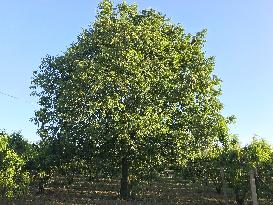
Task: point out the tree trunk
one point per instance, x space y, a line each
224 185
239 197
124 183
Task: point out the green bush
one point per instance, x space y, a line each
236 161
14 181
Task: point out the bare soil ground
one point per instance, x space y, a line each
105 192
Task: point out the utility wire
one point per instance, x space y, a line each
11 96
16 98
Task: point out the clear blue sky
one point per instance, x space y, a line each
240 35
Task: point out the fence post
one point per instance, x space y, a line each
224 185
253 187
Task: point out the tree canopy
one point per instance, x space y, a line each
134 90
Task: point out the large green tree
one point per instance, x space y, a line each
135 90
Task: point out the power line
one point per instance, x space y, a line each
16 98
11 96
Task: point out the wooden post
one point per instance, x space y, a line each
253 187
224 185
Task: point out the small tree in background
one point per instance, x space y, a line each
259 155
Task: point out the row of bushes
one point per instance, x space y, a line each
236 161
23 164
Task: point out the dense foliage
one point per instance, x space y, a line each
24 163
237 162
14 179
135 91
